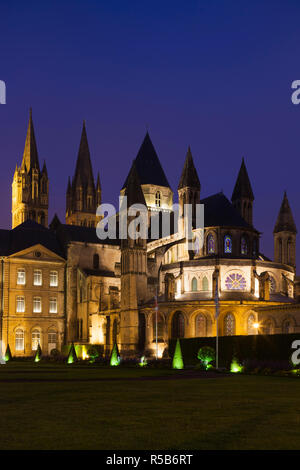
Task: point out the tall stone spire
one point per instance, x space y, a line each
242 197
285 220
188 190
30 186
82 196
30 155
285 235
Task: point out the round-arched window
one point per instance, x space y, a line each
244 246
194 284
178 325
229 325
200 325
227 244
250 325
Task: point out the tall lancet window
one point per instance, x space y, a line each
157 199
210 244
244 246
227 244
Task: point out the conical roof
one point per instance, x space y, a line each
189 177
285 220
242 187
83 172
133 190
148 166
30 155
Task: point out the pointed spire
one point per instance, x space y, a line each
44 170
98 185
69 187
242 187
285 220
148 166
189 177
84 172
133 190
30 155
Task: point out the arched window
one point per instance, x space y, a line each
289 251
205 283
235 281
115 331
52 340
35 339
194 284
160 326
96 261
227 244
210 243
229 325
19 339
280 250
244 246
200 325
287 327
268 327
157 199
178 325
250 325
272 284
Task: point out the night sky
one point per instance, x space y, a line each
215 75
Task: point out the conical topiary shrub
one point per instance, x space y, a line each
177 358
72 356
8 356
114 358
38 354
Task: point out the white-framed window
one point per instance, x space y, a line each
53 278
37 305
21 277
19 339
52 340
53 305
35 339
20 304
37 277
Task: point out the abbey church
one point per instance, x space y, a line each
60 283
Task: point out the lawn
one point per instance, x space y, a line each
47 406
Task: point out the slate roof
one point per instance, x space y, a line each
84 172
219 212
28 234
148 165
77 233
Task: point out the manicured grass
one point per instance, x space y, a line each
46 406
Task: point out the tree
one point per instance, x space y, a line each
38 354
177 358
206 354
8 356
114 358
72 356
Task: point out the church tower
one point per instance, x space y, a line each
30 187
83 196
242 197
133 270
285 235
188 189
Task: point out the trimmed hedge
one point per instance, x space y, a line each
250 347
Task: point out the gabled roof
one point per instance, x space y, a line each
84 171
28 234
67 233
242 186
30 155
189 177
148 165
285 219
219 212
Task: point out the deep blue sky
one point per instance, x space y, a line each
213 74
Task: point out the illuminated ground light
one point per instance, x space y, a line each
143 362
114 358
235 366
177 359
38 354
206 355
72 356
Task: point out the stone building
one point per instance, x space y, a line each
140 293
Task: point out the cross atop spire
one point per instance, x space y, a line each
30 155
189 177
285 220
